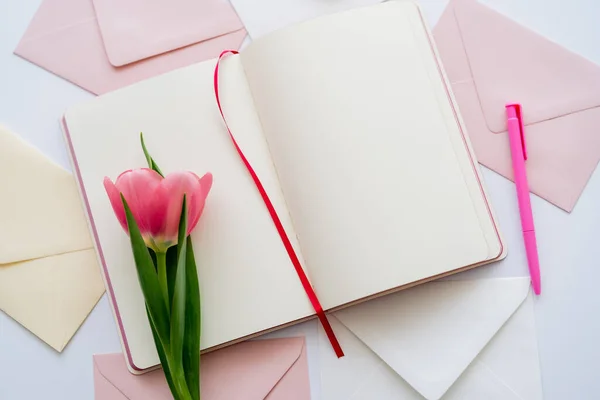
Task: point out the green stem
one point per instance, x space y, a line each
161 260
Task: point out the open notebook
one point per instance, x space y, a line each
350 124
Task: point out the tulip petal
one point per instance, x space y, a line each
115 201
176 185
198 199
158 212
139 187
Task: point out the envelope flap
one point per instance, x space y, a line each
40 209
151 385
252 368
430 334
249 370
52 296
510 63
133 30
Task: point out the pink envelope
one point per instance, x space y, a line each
273 369
136 29
64 38
490 61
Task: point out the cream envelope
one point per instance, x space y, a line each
49 275
490 61
450 340
136 29
273 369
64 38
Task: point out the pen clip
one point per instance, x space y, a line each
519 115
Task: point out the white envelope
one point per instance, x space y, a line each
49 274
450 340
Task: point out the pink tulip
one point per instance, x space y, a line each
155 202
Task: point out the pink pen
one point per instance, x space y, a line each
516 136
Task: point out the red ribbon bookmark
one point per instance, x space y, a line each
284 238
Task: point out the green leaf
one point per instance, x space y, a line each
153 255
162 356
191 340
148 278
179 302
149 159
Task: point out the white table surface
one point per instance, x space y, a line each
567 314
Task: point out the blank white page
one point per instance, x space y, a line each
360 127
467 160
247 282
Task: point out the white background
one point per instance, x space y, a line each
567 314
